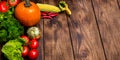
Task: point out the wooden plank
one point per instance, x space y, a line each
118 1
108 16
57 43
84 33
41 42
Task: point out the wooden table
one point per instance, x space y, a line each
92 32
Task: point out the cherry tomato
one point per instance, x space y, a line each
33 44
33 54
3 6
13 2
25 51
35 39
26 38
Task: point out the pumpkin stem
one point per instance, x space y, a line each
27 3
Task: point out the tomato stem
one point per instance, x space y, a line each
27 3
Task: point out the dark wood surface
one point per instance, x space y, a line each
108 15
118 1
92 32
84 32
57 38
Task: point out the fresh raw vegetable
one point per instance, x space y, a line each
33 32
44 13
48 15
52 14
13 2
33 54
64 7
28 13
33 44
26 38
13 49
48 8
10 28
25 51
3 7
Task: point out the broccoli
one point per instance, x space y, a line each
10 28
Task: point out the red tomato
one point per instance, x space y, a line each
25 51
33 54
13 2
26 38
34 39
3 6
33 44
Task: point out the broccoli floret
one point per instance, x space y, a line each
10 27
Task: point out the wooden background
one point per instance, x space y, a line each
92 32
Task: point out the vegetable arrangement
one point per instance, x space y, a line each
15 16
30 48
52 11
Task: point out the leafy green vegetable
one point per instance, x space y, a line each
13 49
10 28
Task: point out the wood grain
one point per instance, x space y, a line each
41 42
84 33
118 1
108 18
56 36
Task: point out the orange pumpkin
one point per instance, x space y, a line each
28 16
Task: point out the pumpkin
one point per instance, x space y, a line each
28 15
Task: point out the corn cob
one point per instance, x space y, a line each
48 8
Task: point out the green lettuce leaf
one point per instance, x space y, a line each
13 49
